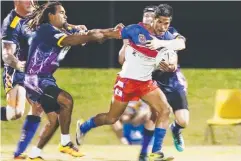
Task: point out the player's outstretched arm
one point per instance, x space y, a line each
8 50
111 33
176 44
77 39
92 35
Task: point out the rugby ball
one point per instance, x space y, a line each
166 55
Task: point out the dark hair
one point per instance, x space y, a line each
41 14
164 10
151 8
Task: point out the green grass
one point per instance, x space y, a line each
92 89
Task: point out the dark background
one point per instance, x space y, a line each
212 29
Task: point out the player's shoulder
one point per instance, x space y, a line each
175 33
23 22
172 30
133 26
9 25
47 29
45 26
170 34
11 20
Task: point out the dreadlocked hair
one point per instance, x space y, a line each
40 15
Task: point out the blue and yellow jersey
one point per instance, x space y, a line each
16 30
9 25
11 33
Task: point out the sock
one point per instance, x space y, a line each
159 134
29 128
35 152
176 128
87 125
65 139
147 136
3 114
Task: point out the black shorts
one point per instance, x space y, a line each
48 99
177 99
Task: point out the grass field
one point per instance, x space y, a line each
92 89
130 153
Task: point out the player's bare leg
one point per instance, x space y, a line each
66 103
48 130
117 108
45 135
157 100
15 104
16 99
60 113
181 121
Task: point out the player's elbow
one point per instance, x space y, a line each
8 49
179 44
121 57
6 56
183 44
121 60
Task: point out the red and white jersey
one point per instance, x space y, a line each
139 60
137 65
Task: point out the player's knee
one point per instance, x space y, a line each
125 118
182 117
182 122
13 114
165 112
36 110
111 121
53 120
19 113
154 115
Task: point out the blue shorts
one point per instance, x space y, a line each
35 85
134 134
12 77
175 88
